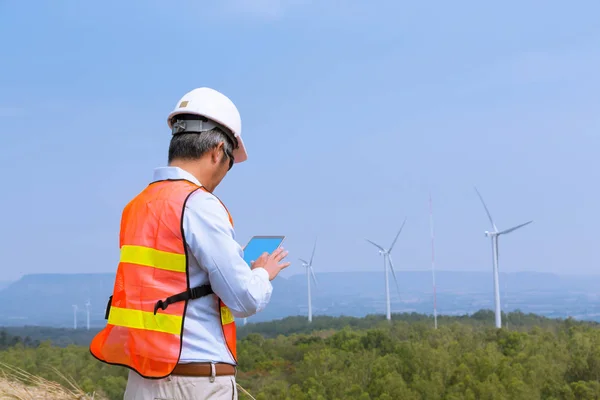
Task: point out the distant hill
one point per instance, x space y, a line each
48 299
62 337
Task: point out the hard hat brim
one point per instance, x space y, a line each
239 154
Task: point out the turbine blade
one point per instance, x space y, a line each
303 261
509 230
398 234
375 244
486 210
312 274
313 252
393 273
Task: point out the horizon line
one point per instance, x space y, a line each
321 272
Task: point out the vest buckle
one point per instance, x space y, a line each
160 304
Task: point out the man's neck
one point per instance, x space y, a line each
197 170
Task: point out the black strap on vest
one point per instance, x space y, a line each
190 294
108 307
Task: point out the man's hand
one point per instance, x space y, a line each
271 262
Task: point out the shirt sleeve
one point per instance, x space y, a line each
210 238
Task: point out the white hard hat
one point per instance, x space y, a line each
218 109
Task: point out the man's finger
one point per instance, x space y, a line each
285 265
281 256
277 251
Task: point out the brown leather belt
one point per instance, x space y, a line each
204 369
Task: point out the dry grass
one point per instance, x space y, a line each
244 391
17 384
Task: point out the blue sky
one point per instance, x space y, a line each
351 114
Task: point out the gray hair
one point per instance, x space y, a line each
191 146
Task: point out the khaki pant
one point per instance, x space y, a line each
180 388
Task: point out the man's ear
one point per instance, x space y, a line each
217 153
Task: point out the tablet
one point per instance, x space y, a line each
259 244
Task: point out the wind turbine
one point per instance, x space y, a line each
494 235
310 274
75 316
387 259
87 310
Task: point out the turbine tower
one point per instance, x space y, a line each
494 235
75 316
433 263
310 274
87 310
387 259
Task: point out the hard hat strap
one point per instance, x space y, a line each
199 126
192 125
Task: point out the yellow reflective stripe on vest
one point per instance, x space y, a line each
153 258
226 316
145 320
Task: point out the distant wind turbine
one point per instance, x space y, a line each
87 310
310 274
493 235
387 259
433 263
74 316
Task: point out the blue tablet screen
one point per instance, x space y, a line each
259 245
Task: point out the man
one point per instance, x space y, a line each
182 278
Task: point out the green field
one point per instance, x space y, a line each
369 358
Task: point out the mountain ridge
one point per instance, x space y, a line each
49 297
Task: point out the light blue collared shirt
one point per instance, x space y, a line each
215 258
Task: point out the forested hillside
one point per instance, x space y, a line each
7 340
483 318
370 359
515 320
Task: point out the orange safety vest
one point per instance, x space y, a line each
147 309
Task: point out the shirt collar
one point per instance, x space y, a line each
165 173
